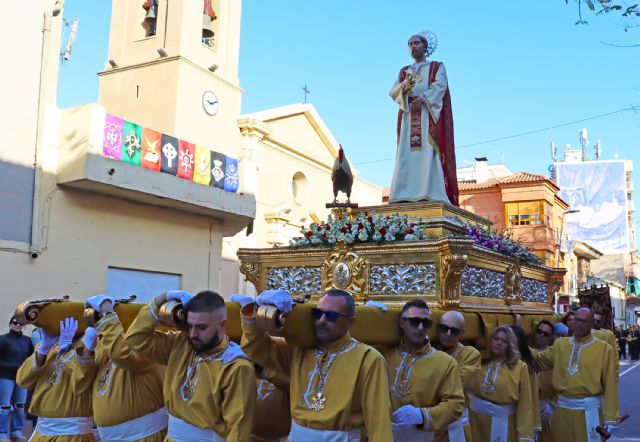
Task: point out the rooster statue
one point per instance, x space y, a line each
342 177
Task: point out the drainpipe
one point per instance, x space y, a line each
34 247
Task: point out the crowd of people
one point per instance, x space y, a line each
150 384
628 342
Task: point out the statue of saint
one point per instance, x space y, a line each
425 166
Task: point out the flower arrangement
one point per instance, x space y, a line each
502 243
363 228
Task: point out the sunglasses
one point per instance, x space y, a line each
543 333
330 315
415 322
446 329
17 323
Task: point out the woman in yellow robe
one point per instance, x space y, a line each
500 392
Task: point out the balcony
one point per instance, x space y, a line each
82 166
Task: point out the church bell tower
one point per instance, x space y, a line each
173 67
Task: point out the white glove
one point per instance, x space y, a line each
46 343
90 338
243 300
376 304
68 329
279 298
179 295
96 301
612 428
408 415
547 412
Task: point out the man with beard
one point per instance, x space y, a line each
583 376
450 333
543 339
425 386
338 388
209 386
127 387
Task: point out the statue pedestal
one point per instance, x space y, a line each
442 219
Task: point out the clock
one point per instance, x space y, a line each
210 103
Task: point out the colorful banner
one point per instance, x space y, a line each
132 143
232 176
151 149
169 155
186 159
218 168
112 143
202 169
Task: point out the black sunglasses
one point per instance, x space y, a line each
445 329
331 315
543 333
415 322
14 322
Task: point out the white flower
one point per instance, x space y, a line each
362 236
410 237
377 236
349 239
389 237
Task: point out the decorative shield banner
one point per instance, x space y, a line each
218 168
232 176
202 170
151 149
169 155
132 143
112 143
186 159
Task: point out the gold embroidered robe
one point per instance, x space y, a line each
219 397
54 392
607 336
126 385
272 417
356 393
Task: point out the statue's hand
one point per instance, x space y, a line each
417 103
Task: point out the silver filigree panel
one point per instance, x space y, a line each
404 279
534 290
482 283
295 280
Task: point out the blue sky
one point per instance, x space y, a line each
512 69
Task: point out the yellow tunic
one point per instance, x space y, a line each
511 387
546 393
54 392
593 375
356 392
535 399
126 385
607 336
468 359
428 379
216 396
272 416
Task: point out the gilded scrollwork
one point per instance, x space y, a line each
251 271
452 266
513 285
344 269
296 280
402 279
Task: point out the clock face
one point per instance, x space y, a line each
210 102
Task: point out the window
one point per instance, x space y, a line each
524 213
121 283
299 188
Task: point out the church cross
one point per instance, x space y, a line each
306 92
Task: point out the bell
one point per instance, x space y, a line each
207 28
151 16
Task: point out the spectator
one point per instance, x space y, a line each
14 349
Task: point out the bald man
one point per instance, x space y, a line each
583 376
450 333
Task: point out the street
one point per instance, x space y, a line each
629 388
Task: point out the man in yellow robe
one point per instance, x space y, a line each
607 336
272 417
127 387
209 385
336 389
450 332
425 385
63 407
542 340
583 377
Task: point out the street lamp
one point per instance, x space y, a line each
564 214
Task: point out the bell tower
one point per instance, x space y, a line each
173 67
